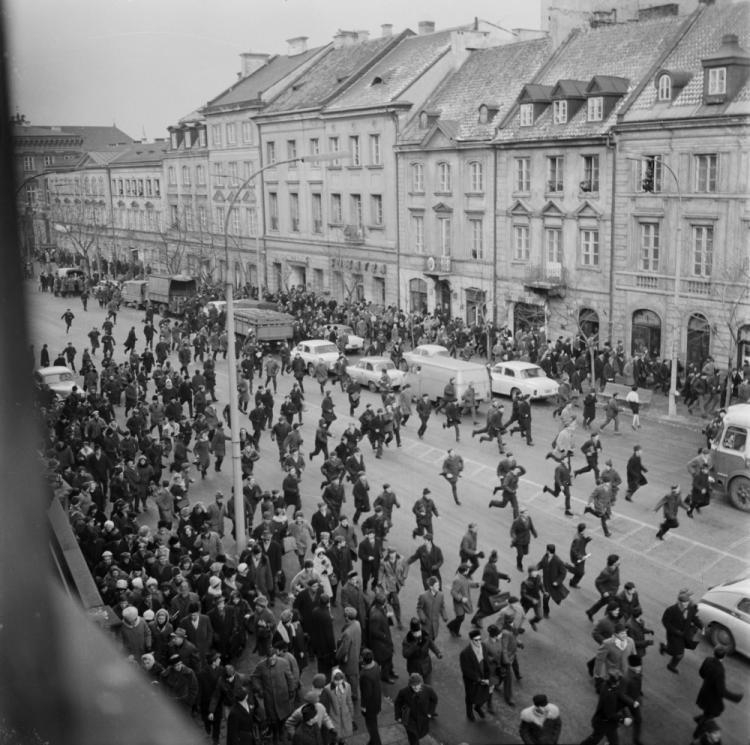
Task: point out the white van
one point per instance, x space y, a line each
431 374
731 455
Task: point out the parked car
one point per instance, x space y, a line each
314 350
58 378
369 370
354 343
523 377
731 456
725 612
424 351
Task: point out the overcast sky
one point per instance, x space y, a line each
142 64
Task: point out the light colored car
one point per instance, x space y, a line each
354 343
369 370
526 378
60 380
725 612
424 351
314 350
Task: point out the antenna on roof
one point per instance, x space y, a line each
143 133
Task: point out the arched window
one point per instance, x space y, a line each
646 333
698 340
665 88
476 177
588 323
444 177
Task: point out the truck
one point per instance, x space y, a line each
264 324
730 456
170 293
133 292
431 374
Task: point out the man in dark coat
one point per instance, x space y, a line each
714 689
553 576
380 639
490 586
322 639
416 647
607 717
371 695
475 670
414 707
681 622
635 471
430 559
241 723
607 584
521 530
578 555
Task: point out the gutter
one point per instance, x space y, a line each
612 146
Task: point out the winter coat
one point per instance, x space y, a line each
379 635
276 685
349 648
338 703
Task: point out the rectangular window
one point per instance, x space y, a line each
521 250
174 218
171 177
202 137
376 209
553 245
356 155
417 224
231 134
202 218
526 114
273 210
233 171
590 173
220 220
555 173
200 175
595 112
234 223
314 148
476 177
717 81
476 232
333 147
523 174
251 217
270 153
445 235
337 216
149 190
559 112
185 176
291 149
247 132
417 177
157 188
216 135
355 204
294 211
140 185
247 169
703 250
49 160
187 139
375 156
317 213
589 247
705 172
174 140
651 171
650 246
445 184
189 222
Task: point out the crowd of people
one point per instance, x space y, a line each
124 455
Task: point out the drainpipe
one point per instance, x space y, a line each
394 116
612 145
493 294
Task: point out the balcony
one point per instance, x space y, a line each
549 277
696 287
354 234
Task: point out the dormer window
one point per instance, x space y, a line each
526 114
423 120
175 141
717 81
595 109
483 114
559 112
665 88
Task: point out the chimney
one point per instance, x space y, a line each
426 27
344 39
250 62
363 35
297 45
386 30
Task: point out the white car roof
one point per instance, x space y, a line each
432 347
376 360
517 364
54 370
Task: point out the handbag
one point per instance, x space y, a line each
498 601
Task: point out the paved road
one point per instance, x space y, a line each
709 549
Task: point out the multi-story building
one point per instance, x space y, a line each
682 224
554 177
447 183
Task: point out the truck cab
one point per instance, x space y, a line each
731 455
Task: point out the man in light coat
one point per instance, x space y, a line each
349 648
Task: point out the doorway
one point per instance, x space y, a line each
646 333
698 340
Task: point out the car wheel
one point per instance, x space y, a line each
310 369
739 493
514 391
371 386
721 636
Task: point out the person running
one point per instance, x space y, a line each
635 471
453 465
681 623
68 317
611 413
562 484
670 504
700 493
424 409
600 503
590 449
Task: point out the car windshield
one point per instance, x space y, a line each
323 348
531 372
435 352
380 366
344 329
59 377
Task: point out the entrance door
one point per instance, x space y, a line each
417 295
646 333
443 296
698 340
588 323
474 307
743 348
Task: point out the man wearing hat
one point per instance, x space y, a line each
553 578
521 530
607 716
349 647
352 595
562 484
387 499
180 682
670 504
431 608
578 555
700 492
681 623
468 552
493 426
380 639
490 588
424 510
461 596
453 466
475 671
607 584
430 559
540 723
414 707
713 690
391 579
369 551
424 409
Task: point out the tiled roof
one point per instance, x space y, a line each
625 50
251 88
328 75
395 72
700 41
141 152
93 138
489 76
570 89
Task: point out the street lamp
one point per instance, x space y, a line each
672 403
234 414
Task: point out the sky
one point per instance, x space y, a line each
143 64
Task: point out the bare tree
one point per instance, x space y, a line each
83 223
734 294
586 322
